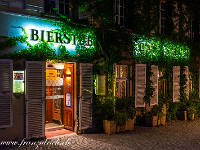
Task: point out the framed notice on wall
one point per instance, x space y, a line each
68 99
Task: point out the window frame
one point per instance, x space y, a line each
121 79
118 13
162 28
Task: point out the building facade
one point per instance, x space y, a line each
36 93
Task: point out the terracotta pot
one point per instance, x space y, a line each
109 127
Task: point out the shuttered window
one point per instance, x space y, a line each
86 95
36 5
35 95
140 84
176 83
121 80
154 79
6 78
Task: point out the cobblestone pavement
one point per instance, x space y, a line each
174 135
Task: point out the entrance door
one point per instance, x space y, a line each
68 96
54 92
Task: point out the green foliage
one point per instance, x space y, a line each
120 119
158 49
103 109
125 109
40 51
156 110
196 103
190 111
183 86
149 88
173 109
126 105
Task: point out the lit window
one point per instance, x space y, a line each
121 80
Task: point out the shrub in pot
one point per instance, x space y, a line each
191 111
155 116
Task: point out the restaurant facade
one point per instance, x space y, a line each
36 93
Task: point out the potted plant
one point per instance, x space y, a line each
123 117
183 111
107 111
126 107
155 116
191 111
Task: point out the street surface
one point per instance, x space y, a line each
174 135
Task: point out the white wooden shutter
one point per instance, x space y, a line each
187 83
154 79
140 84
36 5
35 96
86 96
6 85
176 83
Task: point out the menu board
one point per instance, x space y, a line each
18 81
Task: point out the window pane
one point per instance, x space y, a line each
117 71
116 90
122 88
123 71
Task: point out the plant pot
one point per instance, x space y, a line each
164 109
183 115
130 124
162 120
151 120
109 127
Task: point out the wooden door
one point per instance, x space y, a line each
68 97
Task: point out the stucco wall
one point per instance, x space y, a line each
17 131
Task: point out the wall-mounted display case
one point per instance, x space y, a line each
18 81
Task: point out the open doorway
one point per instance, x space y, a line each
59 96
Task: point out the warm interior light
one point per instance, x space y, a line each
58 75
68 72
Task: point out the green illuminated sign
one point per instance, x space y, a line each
152 47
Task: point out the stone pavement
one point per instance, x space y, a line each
174 136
